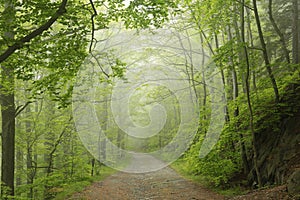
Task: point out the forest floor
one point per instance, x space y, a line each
163 184
275 193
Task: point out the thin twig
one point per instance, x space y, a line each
106 74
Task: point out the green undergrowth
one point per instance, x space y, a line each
73 187
222 169
204 181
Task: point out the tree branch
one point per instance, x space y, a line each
20 108
20 43
106 74
57 142
245 5
93 24
255 48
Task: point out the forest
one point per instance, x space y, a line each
209 87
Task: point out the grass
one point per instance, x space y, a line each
79 186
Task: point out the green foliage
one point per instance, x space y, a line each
49 152
149 13
217 167
61 187
6 192
73 186
52 59
213 15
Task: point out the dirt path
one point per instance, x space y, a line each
164 184
160 185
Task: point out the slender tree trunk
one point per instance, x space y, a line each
19 159
203 77
29 161
295 29
119 138
19 167
254 148
93 166
189 66
49 139
265 52
30 170
227 118
51 157
49 145
103 142
72 156
242 61
278 31
235 95
190 56
252 44
240 53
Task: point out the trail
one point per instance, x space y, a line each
164 184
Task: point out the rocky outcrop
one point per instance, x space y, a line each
293 184
279 150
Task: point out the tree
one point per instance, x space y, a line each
7 98
51 37
265 52
247 85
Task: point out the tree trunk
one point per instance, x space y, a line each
8 128
29 157
250 35
295 29
235 95
265 52
49 146
279 33
93 166
102 141
8 111
227 118
19 167
256 167
203 79
19 159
